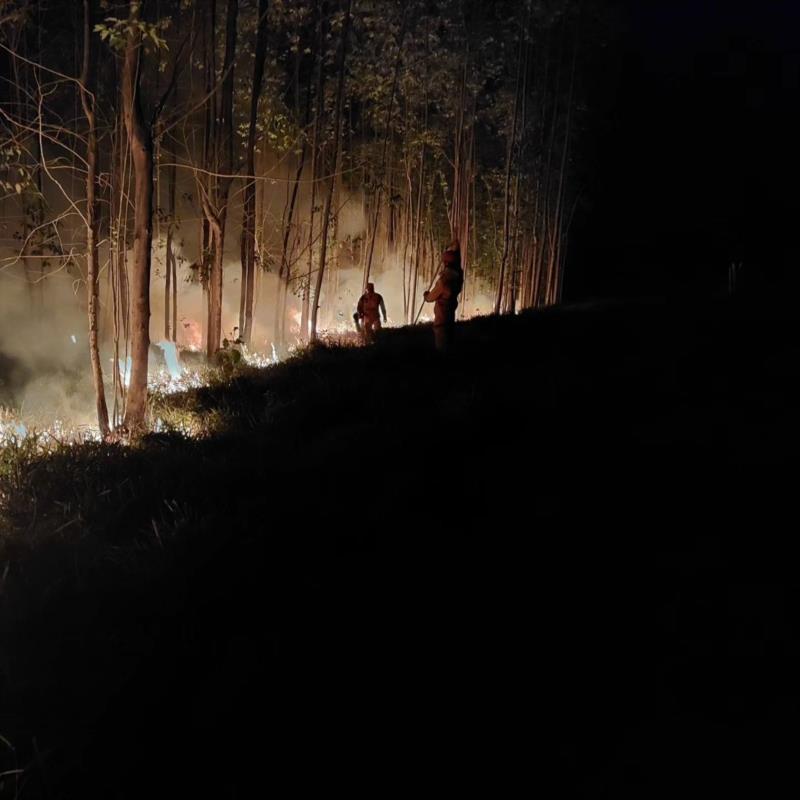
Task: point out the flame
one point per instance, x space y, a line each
191 334
336 329
13 430
11 427
163 382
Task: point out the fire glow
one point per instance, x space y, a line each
173 378
168 375
13 431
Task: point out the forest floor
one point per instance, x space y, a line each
562 556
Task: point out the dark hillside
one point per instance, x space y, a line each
561 557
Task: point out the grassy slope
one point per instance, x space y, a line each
555 555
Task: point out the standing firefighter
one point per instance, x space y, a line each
444 296
368 315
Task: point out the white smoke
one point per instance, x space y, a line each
44 362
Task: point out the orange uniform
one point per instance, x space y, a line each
444 296
370 307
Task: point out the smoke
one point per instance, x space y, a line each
45 373
44 360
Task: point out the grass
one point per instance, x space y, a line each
379 562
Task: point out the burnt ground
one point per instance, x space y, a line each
563 558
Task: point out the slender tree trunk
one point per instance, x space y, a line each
249 213
215 207
92 261
119 268
464 144
386 138
516 272
288 216
408 229
169 289
283 272
557 282
209 148
142 155
501 286
319 115
417 254
326 215
174 296
548 238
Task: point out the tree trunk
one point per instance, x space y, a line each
92 261
283 272
205 187
557 282
119 267
501 287
170 289
417 252
174 296
215 208
326 216
319 115
549 217
386 139
288 217
249 213
142 155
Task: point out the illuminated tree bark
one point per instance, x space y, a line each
376 214
316 158
249 213
326 214
557 282
171 284
512 139
215 201
288 216
426 95
92 260
142 157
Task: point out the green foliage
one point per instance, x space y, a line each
116 32
18 174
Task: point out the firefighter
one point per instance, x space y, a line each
444 296
237 346
227 357
368 313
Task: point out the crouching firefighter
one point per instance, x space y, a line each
368 314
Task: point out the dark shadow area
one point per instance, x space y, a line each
691 161
562 558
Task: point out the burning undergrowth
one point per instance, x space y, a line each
45 377
55 407
81 480
255 396
58 406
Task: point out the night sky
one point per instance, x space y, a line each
691 150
